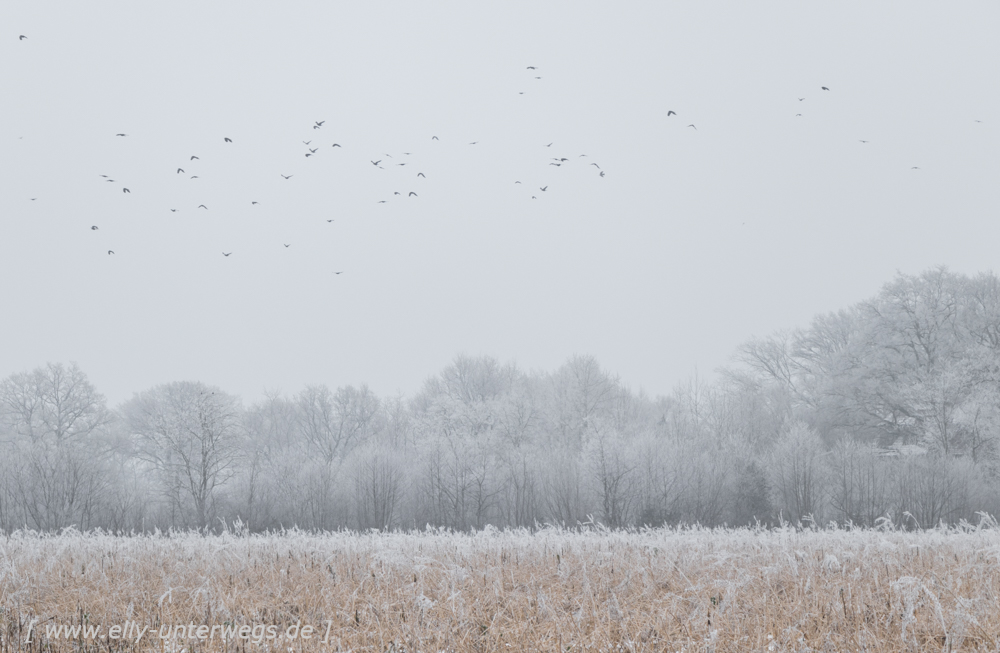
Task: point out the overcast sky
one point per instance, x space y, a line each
693 241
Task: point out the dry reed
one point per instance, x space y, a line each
551 590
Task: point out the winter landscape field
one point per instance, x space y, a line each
551 590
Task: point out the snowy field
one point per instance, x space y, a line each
651 590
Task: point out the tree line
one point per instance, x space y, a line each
888 411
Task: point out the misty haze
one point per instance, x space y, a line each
556 327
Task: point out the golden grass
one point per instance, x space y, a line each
657 590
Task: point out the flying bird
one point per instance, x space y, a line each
287 176
671 113
110 252
314 151
543 188
194 176
341 272
596 166
801 99
252 202
329 220
125 190
306 143
121 134
381 201
549 145
555 164
517 182
226 253
319 123
180 170
824 88
695 128
473 142
22 37
94 228
202 206
602 173
194 157
308 154
860 141
287 245
396 193
915 168
412 194
336 145
375 163
173 210
435 138
228 140
531 68
420 174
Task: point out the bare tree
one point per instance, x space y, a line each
57 445
191 434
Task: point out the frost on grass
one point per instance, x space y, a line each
554 589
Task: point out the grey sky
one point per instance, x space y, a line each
693 241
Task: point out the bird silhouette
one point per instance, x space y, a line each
341 272
396 193
533 197
473 142
555 164
549 145
531 68
420 174
228 140
180 170
824 88
801 99
252 202
226 253
173 210
543 188
22 37
314 151
125 190
287 176
602 173
194 157
915 168
671 113
517 182
381 201
596 166
121 134
194 176
336 145
308 154
319 123
375 163
435 138
94 228
306 143
110 252
202 206
287 245
860 141
329 220
695 128
412 194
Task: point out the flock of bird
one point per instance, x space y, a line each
313 149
